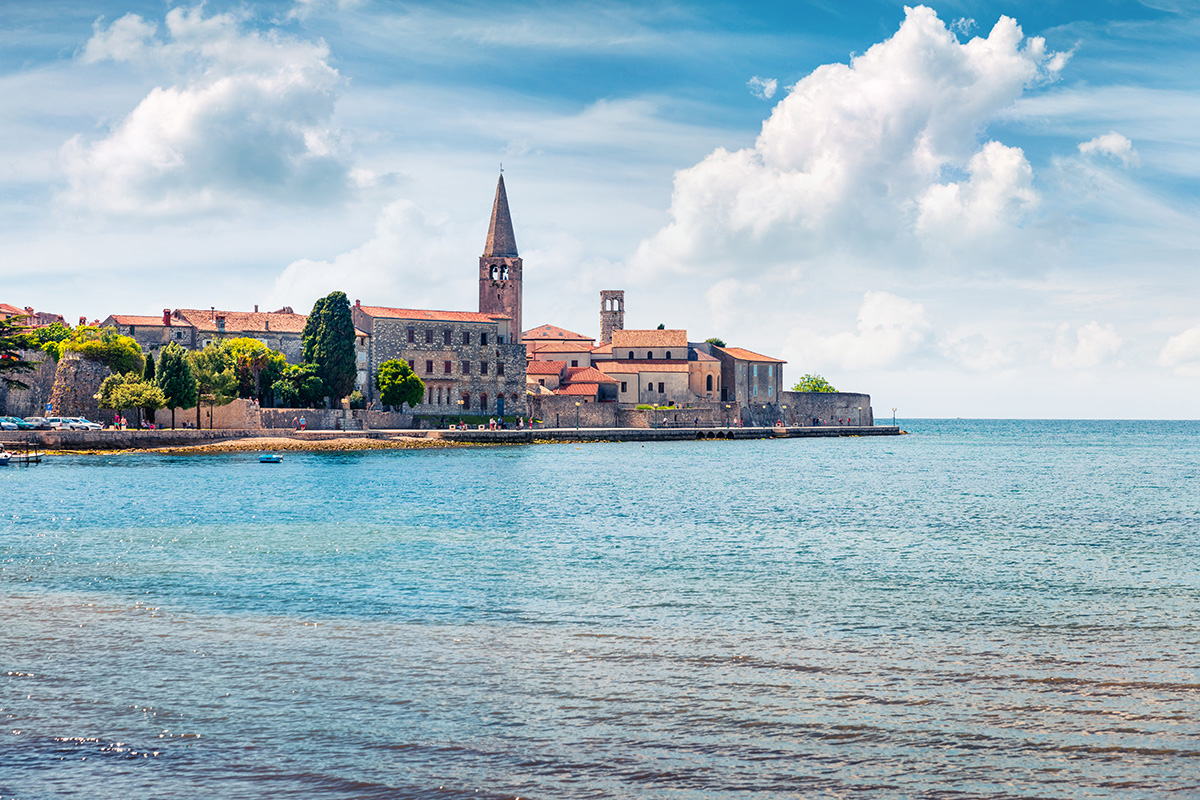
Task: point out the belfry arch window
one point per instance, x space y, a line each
708 384
631 354
668 354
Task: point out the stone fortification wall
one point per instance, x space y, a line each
559 411
240 415
828 407
30 402
335 419
76 382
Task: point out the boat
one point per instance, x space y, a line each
270 458
5 457
27 457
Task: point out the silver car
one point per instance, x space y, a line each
81 424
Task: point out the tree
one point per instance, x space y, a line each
216 383
48 337
176 379
715 341
662 326
103 345
130 390
148 372
13 339
813 383
256 366
329 344
299 387
398 384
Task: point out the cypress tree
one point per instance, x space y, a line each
176 379
329 344
311 326
148 373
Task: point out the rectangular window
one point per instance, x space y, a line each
483 338
499 367
624 387
483 368
446 367
756 391
466 368
466 337
755 370
429 400
769 390
574 362
446 337
429 340
429 366
412 335
770 370
660 388
541 381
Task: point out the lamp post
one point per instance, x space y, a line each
460 410
784 420
893 416
726 416
860 416
577 416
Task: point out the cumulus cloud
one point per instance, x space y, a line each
1113 145
1084 347
889 329
249 120
762 88
867 153
1182 353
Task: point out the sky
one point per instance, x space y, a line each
964 209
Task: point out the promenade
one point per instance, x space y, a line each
146 440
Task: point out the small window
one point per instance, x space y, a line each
466 368
769 387
466 402
499 367
756 391
483 368
429 366
649 354
483 402
708 384
668 354
412 335
446 367
624 387
631 354
770 370
574 362
446 337
429 399
439 402
755 370
483 338
466 337
541 381
649 387
429 340
660 388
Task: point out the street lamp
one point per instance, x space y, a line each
577 416
860 416
726 415
460 410
784 416
893 416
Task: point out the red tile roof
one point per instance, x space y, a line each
553 332
579 389
11 311
654 338
544 367
702 356
602 349
424 314
748 355
133 319
587 375
558 347
205 319
622 366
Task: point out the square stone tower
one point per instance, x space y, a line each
500 266
612 314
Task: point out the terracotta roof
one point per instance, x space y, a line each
427 314
544 367
587 375
558 347
703 356
553 332
602 349
204 319
622 366
500 239
579 389
133 319
11 311
655 338
748 355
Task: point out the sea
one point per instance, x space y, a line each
979 609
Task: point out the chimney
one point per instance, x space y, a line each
29 311
83 320
256 308
212 313
167 317
220 323
358 303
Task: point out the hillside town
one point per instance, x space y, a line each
473 364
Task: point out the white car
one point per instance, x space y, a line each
81 424
5 425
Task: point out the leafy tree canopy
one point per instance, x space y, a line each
329 344
716 341
48 336
176 379
662 326
148 372
299 387
398 384
216 383
256 366
813 383
103 345
130 390
13 339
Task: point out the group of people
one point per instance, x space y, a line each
299 424
122 424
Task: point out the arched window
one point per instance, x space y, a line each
466 402
708 384
649 387
514 398
483 403
631 354
649 354
668 355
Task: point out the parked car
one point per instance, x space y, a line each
81 424
5 425
21 424
58 422
39 423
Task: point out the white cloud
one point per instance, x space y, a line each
249 121
1114 145
889 330
1182 352
1084 347
762 88
857 157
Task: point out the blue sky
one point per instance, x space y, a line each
965 209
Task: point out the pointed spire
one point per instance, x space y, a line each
500 239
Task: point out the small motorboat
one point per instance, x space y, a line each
270 458
5 457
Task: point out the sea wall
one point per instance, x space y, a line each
827 407
241 414
335 419
30 402
559 411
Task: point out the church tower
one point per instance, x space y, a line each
500 266
612 314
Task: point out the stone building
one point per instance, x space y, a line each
194 328
500 265
749 378
32 319
612 313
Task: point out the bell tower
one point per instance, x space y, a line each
500 266
612 314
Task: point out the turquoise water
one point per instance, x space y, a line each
981 609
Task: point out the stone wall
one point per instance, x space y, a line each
30 402
335 419
76 382
238 415
828 407
559 411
